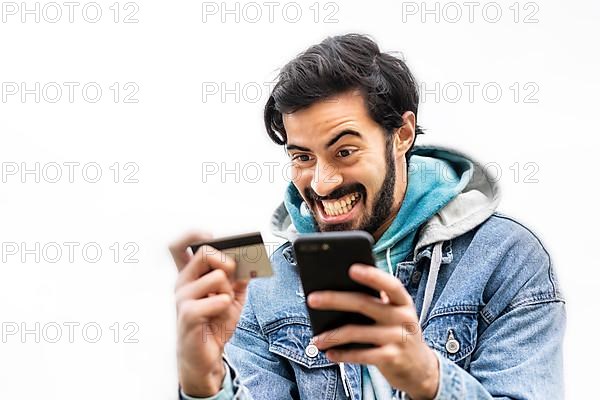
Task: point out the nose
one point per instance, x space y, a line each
326 178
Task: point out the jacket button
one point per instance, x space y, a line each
452 345
416 277
311 351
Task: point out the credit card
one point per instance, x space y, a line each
249 252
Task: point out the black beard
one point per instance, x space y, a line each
384 201
382 206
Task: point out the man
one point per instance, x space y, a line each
470 305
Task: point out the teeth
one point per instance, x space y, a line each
341 206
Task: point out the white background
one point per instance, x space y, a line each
179 129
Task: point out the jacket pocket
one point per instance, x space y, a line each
291 338
453 333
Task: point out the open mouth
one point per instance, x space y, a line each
340 206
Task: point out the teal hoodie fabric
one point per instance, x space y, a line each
432 183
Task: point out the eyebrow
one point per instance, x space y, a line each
329 143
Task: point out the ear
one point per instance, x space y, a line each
405 135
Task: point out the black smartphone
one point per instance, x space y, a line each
323 261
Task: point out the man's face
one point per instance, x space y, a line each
350 176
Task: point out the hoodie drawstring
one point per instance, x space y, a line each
434 269
389 261
345 382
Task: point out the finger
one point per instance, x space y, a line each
362 303
197 311
179 249
240 289
372 334
205 259
215 281
380 280
384 297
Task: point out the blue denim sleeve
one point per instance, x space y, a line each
231 388
225 393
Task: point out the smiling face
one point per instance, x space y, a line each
351 174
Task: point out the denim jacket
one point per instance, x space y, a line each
486 293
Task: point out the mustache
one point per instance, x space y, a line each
310 194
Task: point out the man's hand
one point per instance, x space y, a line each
209 304
400 353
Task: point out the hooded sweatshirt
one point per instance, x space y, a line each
447 195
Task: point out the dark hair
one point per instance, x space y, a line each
339 64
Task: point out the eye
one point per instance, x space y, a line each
345 152
300 158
